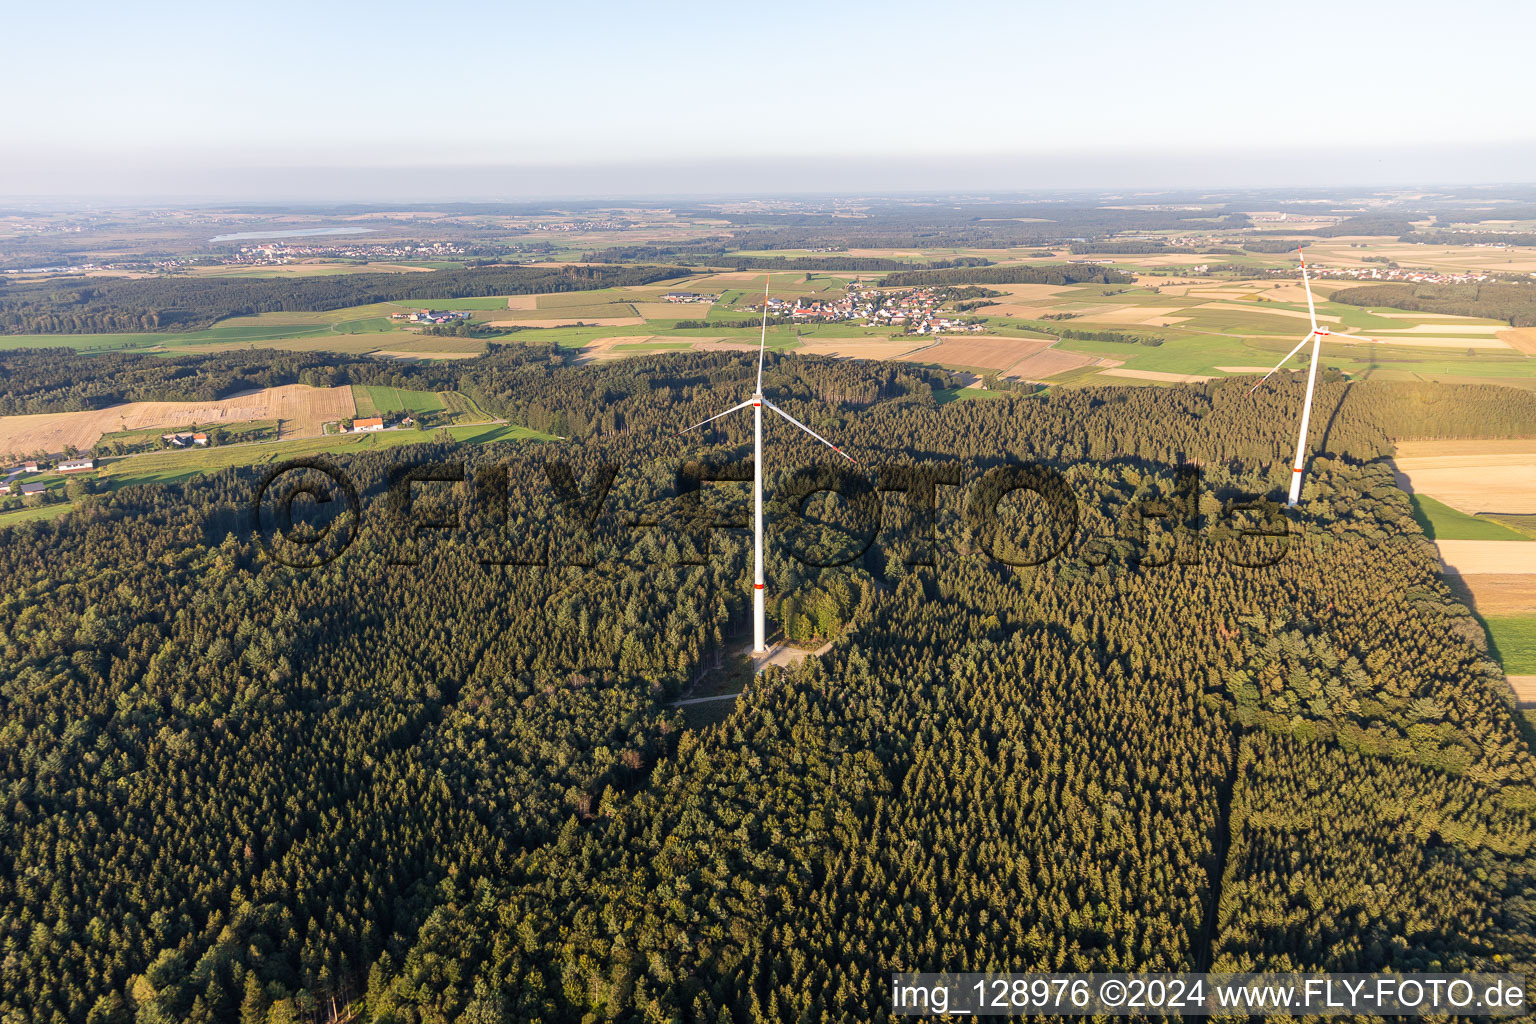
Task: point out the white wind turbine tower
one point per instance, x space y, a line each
1316 338
757 401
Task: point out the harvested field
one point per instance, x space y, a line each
426 355
856 348
1490 481
1157 375
1447 329
1488 557
673 310
1109 314
1496 594
1419 341
1467 447
1268 310
298 408
571 321
522 302
984 353
1521 339
1050 361
1525 690
1032 292
601 350
1025 312
1396 315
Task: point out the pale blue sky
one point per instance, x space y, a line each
460 98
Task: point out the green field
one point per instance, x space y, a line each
374 400
121 342
176 466
1441 522
34 513
1525 524
266 328
653 346
1514 642
166 467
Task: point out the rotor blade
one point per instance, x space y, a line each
808 430
716 416
1311 309
762 345
1282 362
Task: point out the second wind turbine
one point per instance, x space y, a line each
757 401
1316 338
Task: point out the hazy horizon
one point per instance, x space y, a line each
525 101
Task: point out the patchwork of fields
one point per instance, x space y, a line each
1490 562
298 409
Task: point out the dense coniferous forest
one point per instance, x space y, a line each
184 303
430 782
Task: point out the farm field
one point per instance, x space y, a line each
1479 557
1496 594
1441 522
1206 327
324 330
1472 481
172 466
374 400
977 354
1514 640
298 409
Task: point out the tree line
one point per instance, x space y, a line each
1511 301
185 303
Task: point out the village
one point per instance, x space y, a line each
283 252
1406 275
916 310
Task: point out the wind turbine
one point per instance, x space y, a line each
757 401
1316 338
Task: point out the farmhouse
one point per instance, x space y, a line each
76 465
432 316
29 467
199 438
32 490
368 423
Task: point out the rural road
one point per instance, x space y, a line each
701 700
